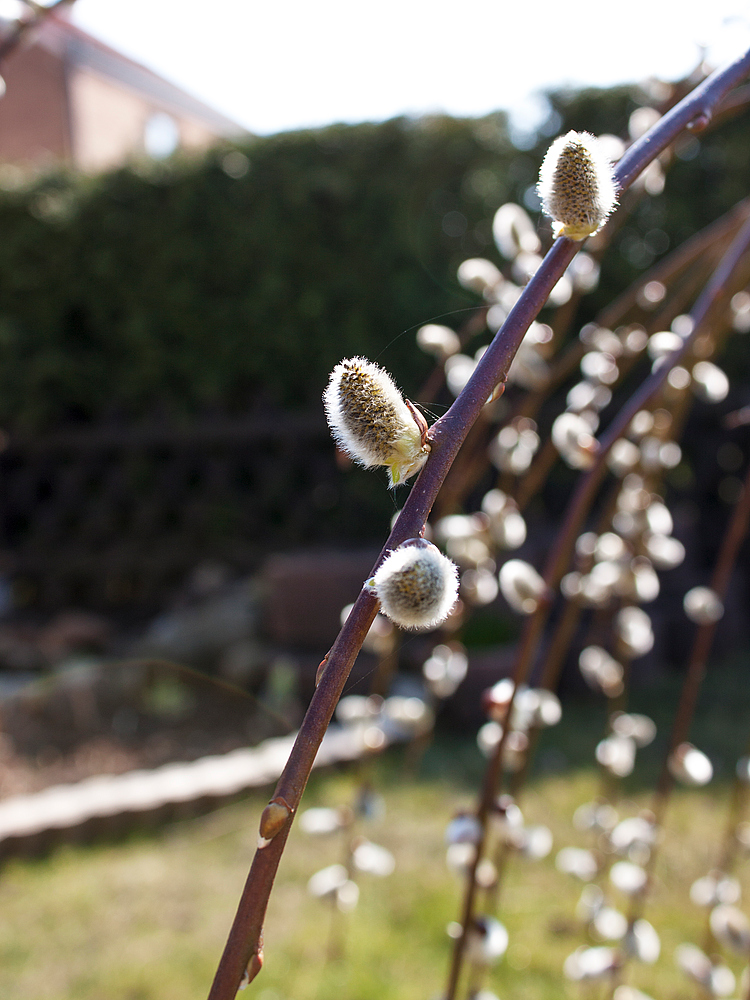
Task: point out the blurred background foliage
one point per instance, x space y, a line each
236 282
175 294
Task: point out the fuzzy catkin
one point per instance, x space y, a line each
417 585
371 421
577 185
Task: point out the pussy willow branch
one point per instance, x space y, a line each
446 436
734 536
715 291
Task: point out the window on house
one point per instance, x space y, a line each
161 135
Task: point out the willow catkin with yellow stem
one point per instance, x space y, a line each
577 185
372 422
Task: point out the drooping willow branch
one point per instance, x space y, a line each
734 536
733 264
243 949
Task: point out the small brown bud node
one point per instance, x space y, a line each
273 819
253 968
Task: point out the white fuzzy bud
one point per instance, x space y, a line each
598 816
633 627
642 942
584 270
740 306
616 754
664 343
592 964
507 526
577 861
479 275
659 519
600 366
479 586
710 382
513 448
438 340
577 186
572 437
718 980
587 396
486 941
333 882
464 828
601 671
639 728
514 231
630 879
372 422
690 765
522 587
609 924
458 370
643 583
444 670
416 585
731 928
703 606
713 889
664 551
514 750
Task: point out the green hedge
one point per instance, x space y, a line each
198 285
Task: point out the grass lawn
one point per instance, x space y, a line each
147 918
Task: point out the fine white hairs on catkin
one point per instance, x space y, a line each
417 585
372 422
577 185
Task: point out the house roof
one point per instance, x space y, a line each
59 35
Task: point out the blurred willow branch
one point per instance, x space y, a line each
243 950
22 26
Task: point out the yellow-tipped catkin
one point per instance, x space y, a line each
417 585
577 185
371 421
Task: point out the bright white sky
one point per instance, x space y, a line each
274 65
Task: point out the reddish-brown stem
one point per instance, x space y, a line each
446 437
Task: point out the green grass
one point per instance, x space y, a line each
147 918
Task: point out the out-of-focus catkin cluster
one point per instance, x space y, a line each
577 186
372 422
